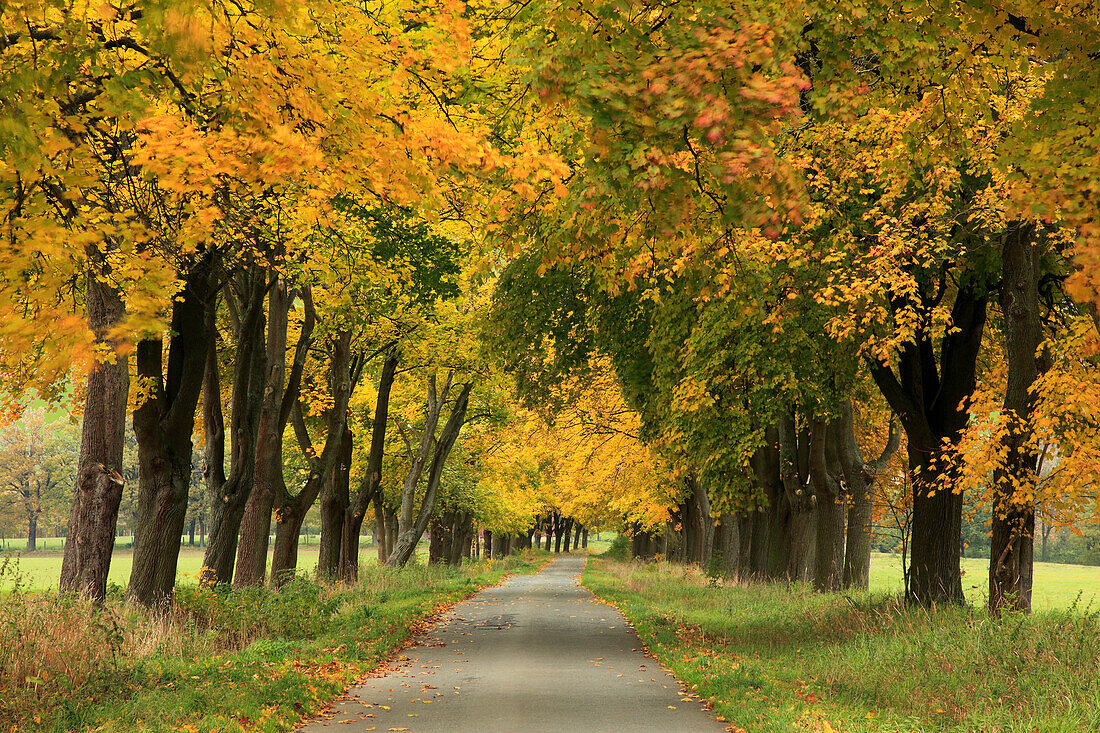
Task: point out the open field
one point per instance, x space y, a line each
42 569
1056 585
773 660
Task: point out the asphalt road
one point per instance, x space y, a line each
537 652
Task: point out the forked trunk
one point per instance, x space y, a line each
163 424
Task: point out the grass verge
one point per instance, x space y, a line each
774 660
238 660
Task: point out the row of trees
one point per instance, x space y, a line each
776 214
724 243
221 214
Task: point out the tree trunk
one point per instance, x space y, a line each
407 539
290 511
1012 548
435 542
824 476
227 496
391 533
164 424
800 502
729 545
860 477
704 523
32 531
90 539
371 483
275 409
383 535
926 398
335 500
567 530
584 537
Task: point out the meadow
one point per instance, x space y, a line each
1056 585
772 659
40 570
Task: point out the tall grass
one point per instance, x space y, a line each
771 658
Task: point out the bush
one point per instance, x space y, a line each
619 549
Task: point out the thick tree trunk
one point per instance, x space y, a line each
335 500
1012 546
824 477
566 531
584 537
275 408
857 549
227 496
290 511
926 398
391 533
704 524
799 500
371 483
860 477
747 567
284 554
436 553
163 425
94 515
729 545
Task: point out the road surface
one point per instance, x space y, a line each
536 652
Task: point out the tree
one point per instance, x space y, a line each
37 461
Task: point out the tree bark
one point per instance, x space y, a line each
566 532
406 542
163 425
799 500
371 483
1012 546
860 477
729 545
227 495
275 410
926 395
829 557
290 510
335 500
94 515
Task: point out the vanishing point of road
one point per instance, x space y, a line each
536 652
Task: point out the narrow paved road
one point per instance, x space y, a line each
537 652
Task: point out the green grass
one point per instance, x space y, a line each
249 659
774 660
42 569
1056 585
